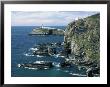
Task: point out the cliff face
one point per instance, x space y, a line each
83 38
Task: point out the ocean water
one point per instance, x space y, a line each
21 42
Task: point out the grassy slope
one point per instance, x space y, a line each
87 39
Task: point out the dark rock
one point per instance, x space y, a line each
90 72
38 65
65 64
41 52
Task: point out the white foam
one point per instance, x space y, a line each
66 71
27 54
56 64
31 68
58 55
45 68
39 56
33 49
77 74
19 65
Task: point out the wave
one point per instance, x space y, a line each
39 56
56 64
66 71
33 49
75 74
31 68
58 55
28 54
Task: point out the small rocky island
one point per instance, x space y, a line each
46 31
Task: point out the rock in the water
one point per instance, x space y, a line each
90 72
65 64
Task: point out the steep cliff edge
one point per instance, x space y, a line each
82 38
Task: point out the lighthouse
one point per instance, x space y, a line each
42 26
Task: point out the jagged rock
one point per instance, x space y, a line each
37 65
65 64
93 71
84 33
51 51
82 37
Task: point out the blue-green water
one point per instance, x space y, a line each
21 42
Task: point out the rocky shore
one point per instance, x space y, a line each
49 49
81 45
82 39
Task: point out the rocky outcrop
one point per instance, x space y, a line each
47 31
82 37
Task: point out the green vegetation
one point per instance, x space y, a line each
84 36
46 31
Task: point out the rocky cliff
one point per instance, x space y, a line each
82 38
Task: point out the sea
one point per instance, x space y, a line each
22 42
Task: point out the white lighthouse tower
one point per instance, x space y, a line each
42 26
